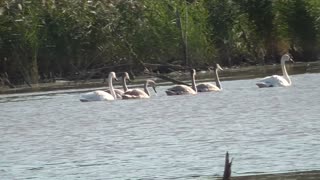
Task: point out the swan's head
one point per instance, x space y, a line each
218 67
152 84
112 75
193 72
286 57
126 76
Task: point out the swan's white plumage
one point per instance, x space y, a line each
120 92
98 95
207 87
275 80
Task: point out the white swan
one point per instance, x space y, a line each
120 92
275 80
138 93
100 95
210 87
183 89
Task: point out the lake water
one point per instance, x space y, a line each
55 136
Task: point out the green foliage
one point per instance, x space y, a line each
301 27
65 37
260 14
221 22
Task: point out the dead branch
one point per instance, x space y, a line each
227 168
167 66
167 78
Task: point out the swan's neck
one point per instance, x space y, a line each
284 71
124 84
146 88
111 88
194 87
218 84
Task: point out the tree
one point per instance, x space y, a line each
301 28
260 14
221 20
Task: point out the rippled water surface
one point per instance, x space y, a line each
55 136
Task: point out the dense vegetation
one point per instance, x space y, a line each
62 38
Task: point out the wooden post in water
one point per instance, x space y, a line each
227 168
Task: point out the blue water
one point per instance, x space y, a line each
55 136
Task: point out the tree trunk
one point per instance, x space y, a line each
183 39
34 74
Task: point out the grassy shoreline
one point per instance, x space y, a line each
228 74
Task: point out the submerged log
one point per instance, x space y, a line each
227 168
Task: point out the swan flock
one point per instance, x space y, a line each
114 94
